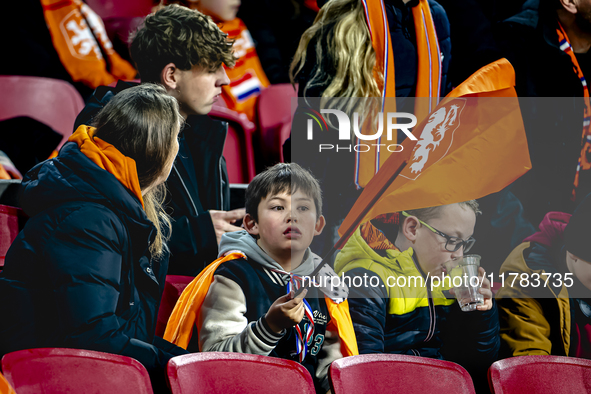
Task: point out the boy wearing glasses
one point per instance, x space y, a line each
397 310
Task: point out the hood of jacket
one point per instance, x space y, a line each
357 249
242 241
74 176
529 14
539 254
541 16
551 232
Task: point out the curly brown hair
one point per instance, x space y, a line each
179 35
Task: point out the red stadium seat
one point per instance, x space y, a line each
53 370
120 19
51 101
12 220
238 149
174 286
395 373
108 9
540 375
283 135
275 112
5 387
228 373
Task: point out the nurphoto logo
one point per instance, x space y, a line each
344 127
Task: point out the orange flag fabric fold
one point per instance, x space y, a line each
473 144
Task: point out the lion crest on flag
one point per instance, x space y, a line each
437 135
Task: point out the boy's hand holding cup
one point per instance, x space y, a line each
471 286
286 311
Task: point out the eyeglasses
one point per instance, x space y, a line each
453 243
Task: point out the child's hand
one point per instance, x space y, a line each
485 290
286 312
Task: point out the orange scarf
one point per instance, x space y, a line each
5 387
247 78
186 311
374 238
368 163
79 37
583 163
7 168
107 157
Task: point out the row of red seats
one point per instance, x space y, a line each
53 370
56 103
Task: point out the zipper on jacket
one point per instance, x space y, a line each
432 316
186 190
221 183
221 173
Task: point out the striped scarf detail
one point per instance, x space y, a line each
302 338
584 162
368 163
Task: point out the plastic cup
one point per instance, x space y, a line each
464 278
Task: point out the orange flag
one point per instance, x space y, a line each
473 144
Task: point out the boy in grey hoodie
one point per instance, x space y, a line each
250 306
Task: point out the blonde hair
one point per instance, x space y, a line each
433 212
350 53
142 123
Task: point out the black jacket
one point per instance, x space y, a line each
198 182
552 106
260 291
80 274
551 101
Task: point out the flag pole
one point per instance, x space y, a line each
356 223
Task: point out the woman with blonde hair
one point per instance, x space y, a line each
88 269
360 49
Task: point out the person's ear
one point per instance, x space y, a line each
250 225
570 6
320 223
409 228
169 76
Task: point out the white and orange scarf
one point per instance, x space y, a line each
80 39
